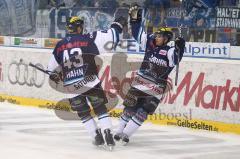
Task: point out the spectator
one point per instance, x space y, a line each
127 3
175 3
200 21
43 4
69 3
51 3
157 10
228 2
110 5
85 3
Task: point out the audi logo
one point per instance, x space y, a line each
20 73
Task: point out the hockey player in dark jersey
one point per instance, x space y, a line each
148 87
74 55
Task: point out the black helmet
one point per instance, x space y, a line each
73 23
166 32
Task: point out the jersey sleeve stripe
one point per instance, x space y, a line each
140 35
115 38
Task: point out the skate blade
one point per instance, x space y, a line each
105 147
109 147
100 147
124 143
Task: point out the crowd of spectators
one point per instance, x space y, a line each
197 13
47 4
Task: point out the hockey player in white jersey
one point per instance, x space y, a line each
148 87
75 54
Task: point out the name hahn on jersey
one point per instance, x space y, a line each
75 75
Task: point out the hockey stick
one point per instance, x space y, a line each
178 58
40 69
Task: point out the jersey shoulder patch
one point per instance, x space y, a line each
163 52
91 36
104 31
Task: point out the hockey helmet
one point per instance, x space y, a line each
73 23
166 32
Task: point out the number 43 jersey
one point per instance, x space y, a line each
75 56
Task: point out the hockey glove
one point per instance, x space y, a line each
135 13
55 77
179 44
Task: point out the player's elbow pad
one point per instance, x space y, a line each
119 24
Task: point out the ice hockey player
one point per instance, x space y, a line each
75 54
148 87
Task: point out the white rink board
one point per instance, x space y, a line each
214 80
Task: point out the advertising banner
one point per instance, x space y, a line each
1 72
1 40
235 52
26 42
218 50
50 43
228 17
192 49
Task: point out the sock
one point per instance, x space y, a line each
126 116
91 127
122 123
136 121
131 127
105 121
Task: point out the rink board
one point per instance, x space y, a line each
207 96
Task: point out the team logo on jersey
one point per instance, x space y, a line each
163 52
68 38
91 35
157 61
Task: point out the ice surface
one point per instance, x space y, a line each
34 133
